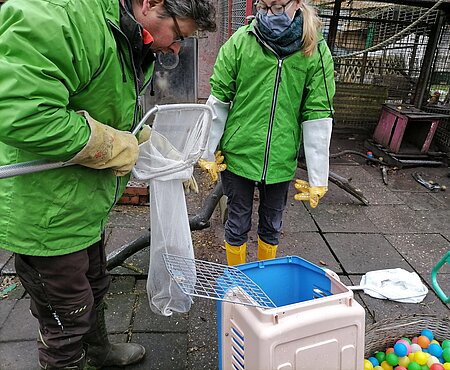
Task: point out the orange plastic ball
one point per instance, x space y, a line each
423 341
390 350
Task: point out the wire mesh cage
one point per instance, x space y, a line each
384 333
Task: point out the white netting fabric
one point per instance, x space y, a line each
179 136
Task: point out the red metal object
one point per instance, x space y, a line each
248 9
230 18
394 121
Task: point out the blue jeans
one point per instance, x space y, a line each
272 202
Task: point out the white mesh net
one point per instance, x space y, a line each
178 139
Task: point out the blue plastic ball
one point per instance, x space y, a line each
428 333
374 361
435 349
400 350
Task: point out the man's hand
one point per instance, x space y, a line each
213 168
311 193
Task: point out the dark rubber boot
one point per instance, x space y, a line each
102 353
77 365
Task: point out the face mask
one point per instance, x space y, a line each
277 23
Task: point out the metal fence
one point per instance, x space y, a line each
383 52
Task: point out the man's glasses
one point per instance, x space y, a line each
180 37
276 9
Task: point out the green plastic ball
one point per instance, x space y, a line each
413 366
380 356
392 359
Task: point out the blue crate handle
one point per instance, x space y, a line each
434 272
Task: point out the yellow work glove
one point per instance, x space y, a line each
311 193
108 148
144 134
190 185
213 168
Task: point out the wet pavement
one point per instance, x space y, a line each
405 225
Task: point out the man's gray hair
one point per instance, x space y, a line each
202 12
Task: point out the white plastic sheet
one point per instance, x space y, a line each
393 284
179 136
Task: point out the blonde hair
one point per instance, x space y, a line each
311 27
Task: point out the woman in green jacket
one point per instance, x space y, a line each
72 76
273 79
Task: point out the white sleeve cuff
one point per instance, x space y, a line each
219 118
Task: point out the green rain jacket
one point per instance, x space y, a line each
58 57
270 97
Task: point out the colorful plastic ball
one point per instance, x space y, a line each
437 367
434 341
427 333
386 366
380 356
424 367
416 348
423 341
432 360
445 343
392 359
446 353
413 366
367 365
446 366
421 358
378 368
400 368
406 343
435 349
404 361
400 349
412 356
374 361
407 339
390 350
414 340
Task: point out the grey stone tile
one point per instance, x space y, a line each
136 265
400 219
119 312
21 355
122 284
360 253
20 324
119 236
309 246
136 217
420 201
202 336
297 218
422 251
163 351
6 307
5 256
343 218
146 320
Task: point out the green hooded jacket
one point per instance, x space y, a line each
58 57
270 97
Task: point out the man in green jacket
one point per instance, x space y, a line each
73 73
273 82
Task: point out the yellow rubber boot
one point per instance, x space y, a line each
236 254
266 251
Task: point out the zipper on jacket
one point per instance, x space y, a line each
137 106
272 114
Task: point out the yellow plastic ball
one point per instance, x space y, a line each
380 368
446 366
385 366
404 361
421 358
368 365
412 356
434 341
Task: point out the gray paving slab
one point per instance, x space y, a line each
421 201
360 253
310 246
344 218
136 217
22 355
401 219
5 256
145 320
9 268
164 351
118 236
297 218
6 306
136 265
122 284
20 324
119 313
421 250
202 335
